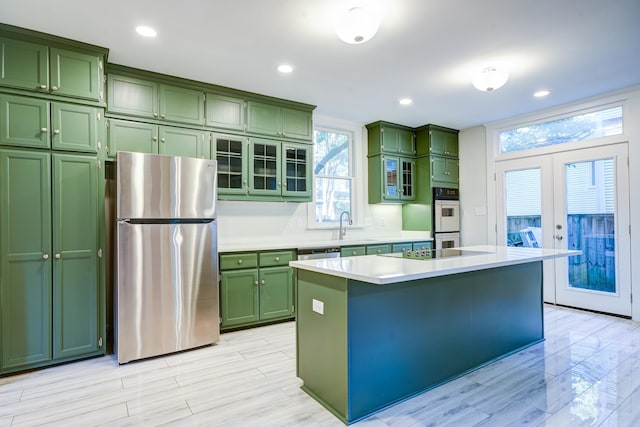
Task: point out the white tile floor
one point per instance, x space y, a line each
586 373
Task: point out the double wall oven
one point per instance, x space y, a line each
446 217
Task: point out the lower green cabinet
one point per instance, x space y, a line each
353 251
401 247
49 275
378 249
255 287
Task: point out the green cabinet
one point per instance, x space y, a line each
231 155
53 70
255 287
153 100
279 169
401 247
444 172
225 112
124 135
38 123
436 140
49 285
346 251
378 249
391 179
279 121
384 137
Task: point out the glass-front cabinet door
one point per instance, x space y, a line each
390 177
407 168
264 167
297 170
232 165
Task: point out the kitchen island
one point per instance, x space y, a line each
375 330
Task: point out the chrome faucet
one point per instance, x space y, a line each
343 230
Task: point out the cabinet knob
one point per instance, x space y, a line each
262 282
54 87
45 256
162 115
58 256
155 114
162 140
255 283
56 131
353 253
43 86
154 138
378 251
43 130
239 261
277 258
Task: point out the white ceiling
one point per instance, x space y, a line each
425 49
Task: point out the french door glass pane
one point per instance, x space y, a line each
590 193
523 208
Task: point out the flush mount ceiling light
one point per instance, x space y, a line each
490 78
285 68
405 101
357 26
541 93
146 31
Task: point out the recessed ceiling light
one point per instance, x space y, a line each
146 31
285 68
541 93
405 101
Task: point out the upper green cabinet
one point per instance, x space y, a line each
274 120
124 135
38 123
279 169
54 70
436 140
390 138
153 100
225 112
391 179
444 171
231 155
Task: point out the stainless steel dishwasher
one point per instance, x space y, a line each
318 253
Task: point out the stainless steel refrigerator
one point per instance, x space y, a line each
167 263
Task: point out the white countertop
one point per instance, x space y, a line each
382 270
275 244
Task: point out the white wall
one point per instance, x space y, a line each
473 186
477 183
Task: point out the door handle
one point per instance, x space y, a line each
558 237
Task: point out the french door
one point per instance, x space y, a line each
576 199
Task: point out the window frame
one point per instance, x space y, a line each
356 203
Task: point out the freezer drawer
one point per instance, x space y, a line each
166 288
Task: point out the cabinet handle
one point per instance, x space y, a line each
239 261
262 282
54 87
45 256
154 138
162 139
279 183
56 131
155 114
43 86
43 130
378 251
162 115
353 253
255 283
57 256
284 134
277 258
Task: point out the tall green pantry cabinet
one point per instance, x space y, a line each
51 207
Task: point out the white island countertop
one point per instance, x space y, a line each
383 270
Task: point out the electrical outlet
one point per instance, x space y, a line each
317 306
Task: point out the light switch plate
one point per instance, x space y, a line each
317 306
